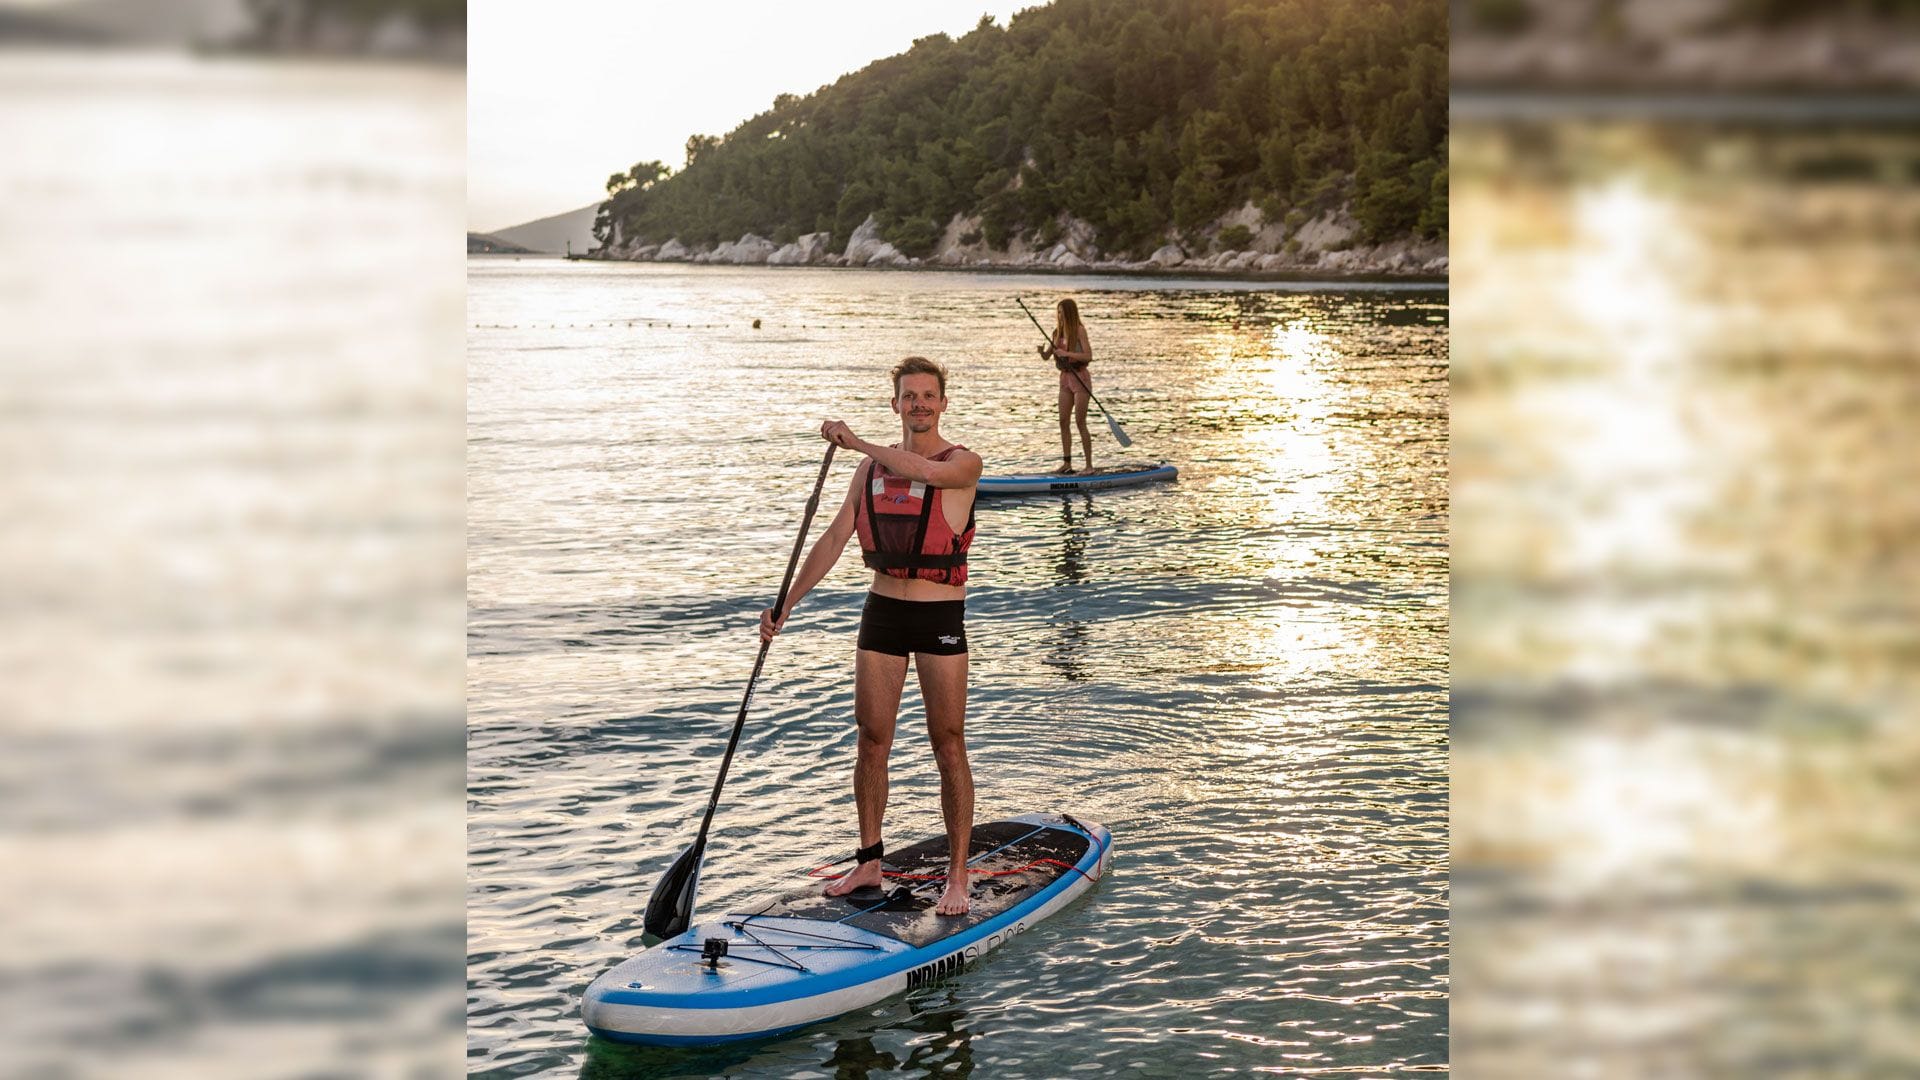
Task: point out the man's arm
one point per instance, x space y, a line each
962 470
826 552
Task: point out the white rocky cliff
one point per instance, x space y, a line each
1242 241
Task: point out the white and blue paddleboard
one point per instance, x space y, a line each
805 956
1031 483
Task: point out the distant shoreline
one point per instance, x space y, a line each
1293 276
1684 106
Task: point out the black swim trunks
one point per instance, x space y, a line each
901 627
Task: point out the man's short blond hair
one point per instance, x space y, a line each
919 365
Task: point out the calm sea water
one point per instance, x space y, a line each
1686 592
1243 673
231 563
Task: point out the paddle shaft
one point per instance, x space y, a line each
779 604
1118 435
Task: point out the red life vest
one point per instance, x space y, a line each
904 533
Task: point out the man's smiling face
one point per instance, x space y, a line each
919 402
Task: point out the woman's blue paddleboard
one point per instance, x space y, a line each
1123 476
803 957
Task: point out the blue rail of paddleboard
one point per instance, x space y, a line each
1043 482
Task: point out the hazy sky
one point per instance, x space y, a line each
562 93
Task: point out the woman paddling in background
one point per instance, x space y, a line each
1071 352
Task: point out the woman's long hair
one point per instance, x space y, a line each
1067 318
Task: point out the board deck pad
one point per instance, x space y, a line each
1055 474
995 847
1112 470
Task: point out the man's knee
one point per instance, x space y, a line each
949 749
875 744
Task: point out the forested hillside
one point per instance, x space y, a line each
1147 119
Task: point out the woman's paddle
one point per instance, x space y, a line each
1119 435
670 911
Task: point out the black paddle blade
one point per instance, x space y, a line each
670 911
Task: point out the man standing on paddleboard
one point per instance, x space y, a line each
912 507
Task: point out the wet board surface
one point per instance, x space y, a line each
1010 860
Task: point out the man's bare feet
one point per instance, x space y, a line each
864 876
955 900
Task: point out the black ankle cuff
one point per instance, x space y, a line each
868 854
